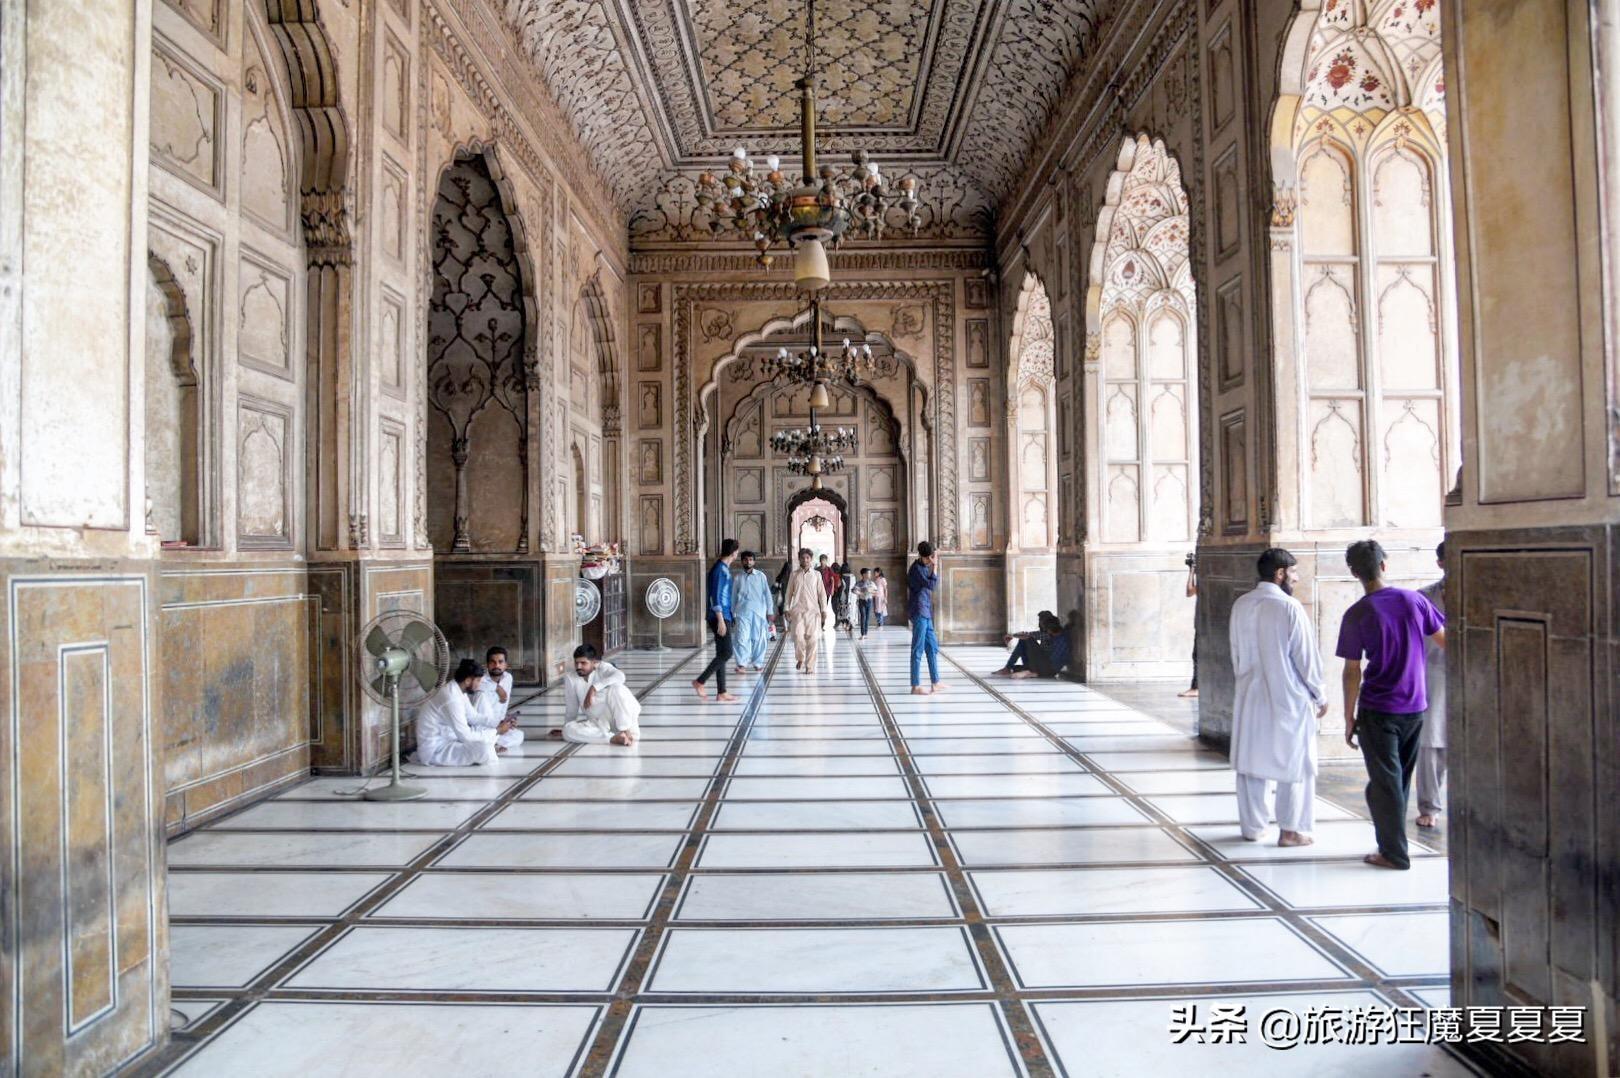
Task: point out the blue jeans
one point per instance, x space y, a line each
924 642
865 607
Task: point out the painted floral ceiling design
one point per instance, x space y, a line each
956 91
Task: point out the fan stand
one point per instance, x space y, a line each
395 790
659 646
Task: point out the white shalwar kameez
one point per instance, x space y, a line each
752 604
445 736
614 709
491 711
1279 689
1431 761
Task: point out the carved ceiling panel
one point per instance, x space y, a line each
955 91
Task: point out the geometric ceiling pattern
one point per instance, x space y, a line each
955 91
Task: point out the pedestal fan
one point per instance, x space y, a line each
402 659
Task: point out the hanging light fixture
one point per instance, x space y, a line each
818 211
816 450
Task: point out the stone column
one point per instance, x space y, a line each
84 983
1533 550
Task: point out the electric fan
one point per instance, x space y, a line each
403 659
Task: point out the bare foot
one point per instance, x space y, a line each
740 669
939 686
1294 838
555 733
1188 694
1003 672
701 689
759 669
1021 675
725 698
500 750
798 666
1426 821
623 737
1378 860
918 690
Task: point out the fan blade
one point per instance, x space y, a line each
377 641
426 674
379 685
413 634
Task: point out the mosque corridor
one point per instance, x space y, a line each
831 878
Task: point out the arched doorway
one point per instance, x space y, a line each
1141 485
1032 494
818 520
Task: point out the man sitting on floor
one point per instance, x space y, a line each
600 708
1043 653
494 697
444 734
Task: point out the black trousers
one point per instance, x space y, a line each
1389 745
722 655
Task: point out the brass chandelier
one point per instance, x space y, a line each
817 212
815 450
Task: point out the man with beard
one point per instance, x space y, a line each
751 602
805 607
1280 696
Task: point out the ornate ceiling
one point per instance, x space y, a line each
955 91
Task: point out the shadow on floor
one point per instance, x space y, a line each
1340 779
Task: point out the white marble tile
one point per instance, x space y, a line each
298 849
815 816
472 960
1108 726
494 850
1156 761
594 816
924 746
939 1040
438 787
833 788
1070 846
1033 785
1129 953
351 816
1181 782
319 1039
1080 892
268 894
816 896
833 850
1334 838
518 896
228 956
1012 727
815 961
796 747
185 1013
1222 808
1317 884
1136 743
1039 812
827 732
1396 944
649 745
1007 763
532 754
815 766
636 767
1130 1038
1432 997
616 789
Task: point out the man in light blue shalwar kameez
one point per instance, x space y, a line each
753 606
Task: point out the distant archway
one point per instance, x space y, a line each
1032 481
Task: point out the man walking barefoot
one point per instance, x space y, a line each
719 618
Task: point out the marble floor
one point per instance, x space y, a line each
831 877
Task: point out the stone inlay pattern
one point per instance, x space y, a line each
1006 878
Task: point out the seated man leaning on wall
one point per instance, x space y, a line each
494 697
445 736
600 707
1042 653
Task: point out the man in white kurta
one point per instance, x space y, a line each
1280 696
494 697
599 707
1431 761
445 736
752 605
804 605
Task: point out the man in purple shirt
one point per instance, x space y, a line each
1384 703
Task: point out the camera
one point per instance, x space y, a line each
1192 559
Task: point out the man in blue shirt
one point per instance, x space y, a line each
921 584
719 618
